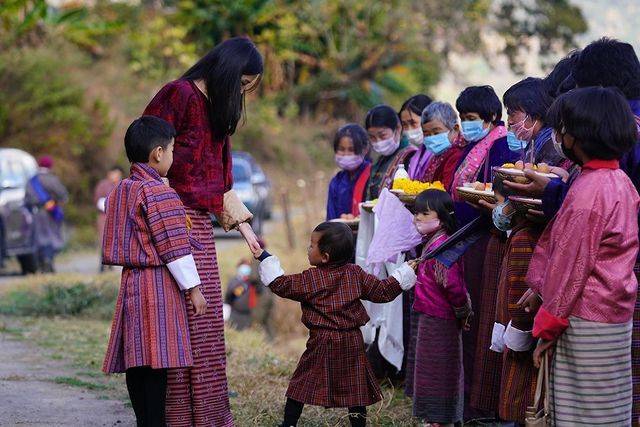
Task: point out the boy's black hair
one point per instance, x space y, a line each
357 134
336 240
416 104
442 203
560 79
482 100
600 119
609 62
529 96
144 135
382 116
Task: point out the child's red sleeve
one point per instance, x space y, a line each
377 290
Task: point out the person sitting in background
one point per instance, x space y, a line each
241 297
347 188
443 140
102 190
44 196
384 130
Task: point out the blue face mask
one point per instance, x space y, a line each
501 220
473 131
515 144
438 143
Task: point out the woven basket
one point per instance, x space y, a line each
523 204
517 175
474 196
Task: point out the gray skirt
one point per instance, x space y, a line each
591 375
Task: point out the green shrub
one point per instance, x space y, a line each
92 299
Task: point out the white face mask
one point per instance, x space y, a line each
387 146
414 136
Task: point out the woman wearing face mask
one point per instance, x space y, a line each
384 130
527 103
582 267
441 308
347 189
410 113
443 140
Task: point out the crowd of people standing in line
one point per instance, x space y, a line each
557 282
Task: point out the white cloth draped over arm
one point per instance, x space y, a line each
185 272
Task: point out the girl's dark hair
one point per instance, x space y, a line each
530 96
144 135
336 240
222 69
482 100
442 203
357 134
559 80
416 104
382 116
608 62
600 119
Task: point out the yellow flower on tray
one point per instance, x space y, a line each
412 188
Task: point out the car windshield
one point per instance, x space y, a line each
241 170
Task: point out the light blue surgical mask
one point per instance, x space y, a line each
515 144
501 220
473 131
438 143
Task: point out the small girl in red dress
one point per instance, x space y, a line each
333 371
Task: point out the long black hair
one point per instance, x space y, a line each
416 104
222 70
382 116
357 134
442 203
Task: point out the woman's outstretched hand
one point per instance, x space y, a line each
250 237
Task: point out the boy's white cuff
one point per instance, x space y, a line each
185 272
270 270
226 312
102 204
517 340
497 338
405 276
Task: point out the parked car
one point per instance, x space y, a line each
16 222
253 188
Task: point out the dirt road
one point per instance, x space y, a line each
29 395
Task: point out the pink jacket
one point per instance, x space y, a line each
583 263
440 291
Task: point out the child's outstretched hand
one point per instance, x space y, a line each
198 301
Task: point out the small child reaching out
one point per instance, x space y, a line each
443 307
333 371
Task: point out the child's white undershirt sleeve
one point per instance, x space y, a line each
406 276
270 270
185 272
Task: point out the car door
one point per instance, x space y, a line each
17 221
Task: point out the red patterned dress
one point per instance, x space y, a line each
201 174
333 371
519 376
146 229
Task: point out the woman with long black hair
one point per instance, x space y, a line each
205 106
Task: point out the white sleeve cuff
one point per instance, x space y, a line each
226 312
517 340
497 338
405 276
101 205
270 270
185 272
